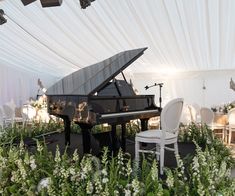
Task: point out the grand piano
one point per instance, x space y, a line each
93 95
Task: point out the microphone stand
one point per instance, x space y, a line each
160 95
160 92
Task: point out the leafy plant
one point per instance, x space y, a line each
201 134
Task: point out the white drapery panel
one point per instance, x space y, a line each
182 35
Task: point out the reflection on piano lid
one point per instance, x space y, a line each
91 79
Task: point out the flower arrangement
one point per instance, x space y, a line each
39 172
40 103
223 108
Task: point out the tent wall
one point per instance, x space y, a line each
189 85
19 86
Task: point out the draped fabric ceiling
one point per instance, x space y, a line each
181 36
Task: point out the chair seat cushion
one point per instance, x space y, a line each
155 134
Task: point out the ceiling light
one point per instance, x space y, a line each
26 2
2 19
51 3
85 3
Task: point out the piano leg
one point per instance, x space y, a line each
86 137
114 138
67 129
124 137
144 126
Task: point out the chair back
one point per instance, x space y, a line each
185 117
9 112
207 115
231 117
170 116
1 118
193 113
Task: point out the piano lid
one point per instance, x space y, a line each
91 79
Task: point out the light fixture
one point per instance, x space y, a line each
45 3
51 3
26 2
2 19
85 3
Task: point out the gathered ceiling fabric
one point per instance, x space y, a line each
181 36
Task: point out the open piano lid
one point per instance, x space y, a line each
89 80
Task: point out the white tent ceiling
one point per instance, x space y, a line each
181 35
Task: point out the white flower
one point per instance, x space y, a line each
32 163
57 155
104 172
75 156
89 188
44 183
116 192
195 164
39 147
105 180
154 171
170 179
127 192
72 171
129 169
136 186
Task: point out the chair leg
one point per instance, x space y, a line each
137 156
176 148
157 150
229 136
162 151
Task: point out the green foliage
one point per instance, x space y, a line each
207 174
40 173
201 134
23 173
36 128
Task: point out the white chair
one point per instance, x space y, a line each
186 117
9 114
231 125
193 113
1 118
207 117
170 119
10 117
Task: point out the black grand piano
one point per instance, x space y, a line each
92 96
